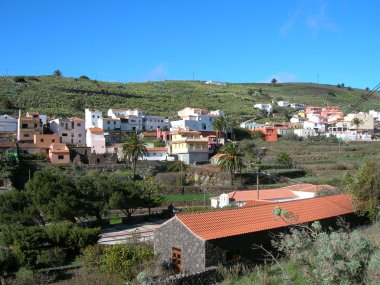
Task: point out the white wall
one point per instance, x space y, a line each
8 123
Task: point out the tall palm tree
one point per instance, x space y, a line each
231 160
217 124
133 147
357 122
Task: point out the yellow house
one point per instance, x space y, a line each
189 146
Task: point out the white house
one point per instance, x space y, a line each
317 126
367 119
8 124
297 106
72 130
152 123
375 115
95 140
264 196
264 107
304 133
110 124
195 119
157 153
92 118
283 103
250 124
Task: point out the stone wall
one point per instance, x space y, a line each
174 234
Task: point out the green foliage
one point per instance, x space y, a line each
57 73
232 160
92 256
19 79
159 143
8 262
126 259
257 135
328 258
5 103
364 187
37 247
241 133
284 159
84 77
177 166
133 148
8 166
274 81
78 104
54 195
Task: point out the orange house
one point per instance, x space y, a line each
270 133
59 153
44 141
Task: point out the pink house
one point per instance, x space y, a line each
59 153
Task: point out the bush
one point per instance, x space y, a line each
177 166
57 73
241 133
126 259
19 79
51 258
84 77
8 262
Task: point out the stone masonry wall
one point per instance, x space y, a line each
174 234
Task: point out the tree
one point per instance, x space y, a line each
85 77
8 264
78 104
274 81
54 195
95 193
127 196
218 126
232 160
364 188
133 148
357 122
57 73
151 193
284 159
6 103
8 166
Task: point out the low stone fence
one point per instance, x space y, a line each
209 276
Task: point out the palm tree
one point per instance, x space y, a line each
231 160
357 122
218 127
133 147
274 81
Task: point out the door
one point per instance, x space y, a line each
177 258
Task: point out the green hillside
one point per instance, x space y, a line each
62 96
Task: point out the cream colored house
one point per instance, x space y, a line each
95 140
368 121
189 146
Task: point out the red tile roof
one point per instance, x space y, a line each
156 148
264 194
225 223
309 187
149 134
257 203
96 130
218 155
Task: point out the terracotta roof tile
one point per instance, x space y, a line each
256 203
96 130
225 223
264 194
156 148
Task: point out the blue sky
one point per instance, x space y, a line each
335 41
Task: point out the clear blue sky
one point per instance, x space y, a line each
331 41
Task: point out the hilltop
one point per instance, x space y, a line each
62 96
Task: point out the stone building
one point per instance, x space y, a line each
196 241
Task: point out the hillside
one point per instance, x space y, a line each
61 96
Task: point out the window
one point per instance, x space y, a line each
41 140
79 124
177 258
80 135
72 135
61 156
64 135
26 135
93 116
61 124
35 125
108 122
52 140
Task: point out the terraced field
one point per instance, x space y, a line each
325 162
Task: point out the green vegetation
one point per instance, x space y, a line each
188 197
134 147
53 95
232 160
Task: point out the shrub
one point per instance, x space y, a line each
8 262
331 93
57 73
126 259
177 166
92 256
84 77
241 133
50 258
19 79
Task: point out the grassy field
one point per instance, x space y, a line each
188 197
60 96
324 162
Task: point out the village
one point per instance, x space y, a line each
234 216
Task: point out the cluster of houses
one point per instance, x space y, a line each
190 139
314 121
